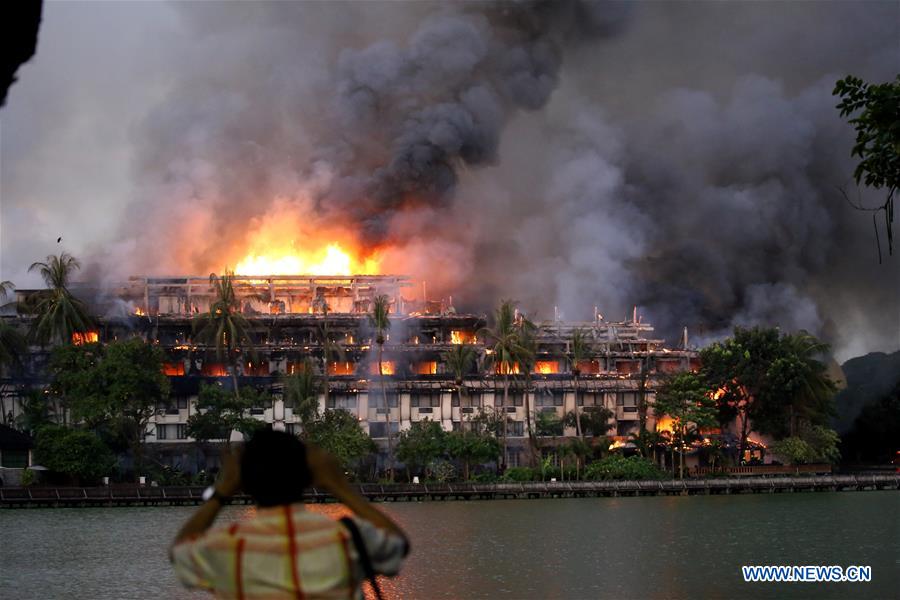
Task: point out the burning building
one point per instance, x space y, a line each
288 315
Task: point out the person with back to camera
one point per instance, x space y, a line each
285 551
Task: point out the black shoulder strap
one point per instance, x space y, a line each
364 560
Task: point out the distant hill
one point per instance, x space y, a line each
869 379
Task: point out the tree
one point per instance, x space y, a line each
116 388
331 350
35 412
223 326
59 313
801 380
812 444
421 444
771 380
77 453
472 447
580 348
338 432
877 125
219 413
503 347
301 393
548 424
526 356
686 399
459 359
12 343
380 320
594 422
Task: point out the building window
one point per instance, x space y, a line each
181 402
161 432
378 429
626 399
181 432
376 400
516 428
590 399
427 367
425 400
14 459
344 401
469 400
513 399
547 398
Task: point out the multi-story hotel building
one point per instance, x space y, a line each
288 325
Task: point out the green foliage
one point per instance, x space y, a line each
115 388
338 432
685 398
548 424
220 412
442 471
223 326
379 318
813 444
59 313
35 413
595 422
12 345
77 453
472 448
519 474
301 392
877 125
421 444
28 477
619 467
774 380
459 359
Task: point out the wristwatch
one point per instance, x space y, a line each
211 492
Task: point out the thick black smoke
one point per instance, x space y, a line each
683 158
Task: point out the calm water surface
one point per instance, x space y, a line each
676 547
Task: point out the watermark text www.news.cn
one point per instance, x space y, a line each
807 573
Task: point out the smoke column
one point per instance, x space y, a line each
571 154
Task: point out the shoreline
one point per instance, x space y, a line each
125 495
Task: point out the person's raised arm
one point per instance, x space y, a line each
227 485
327 474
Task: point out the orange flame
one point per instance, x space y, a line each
333 259
88 337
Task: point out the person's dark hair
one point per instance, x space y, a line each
274 470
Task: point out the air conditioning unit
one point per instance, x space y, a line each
467 409
425 409
510 409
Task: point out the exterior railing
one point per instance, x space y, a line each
762 470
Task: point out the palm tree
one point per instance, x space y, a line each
12 343
223 325
59 313
503 341
459 360
380 320
301 393
331 350
813 390
580 348
526 356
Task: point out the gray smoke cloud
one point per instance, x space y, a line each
679 157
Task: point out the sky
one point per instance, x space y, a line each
684 158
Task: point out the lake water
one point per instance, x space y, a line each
649 547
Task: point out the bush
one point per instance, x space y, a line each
619 467
486 477
28 477
77 453
520 474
